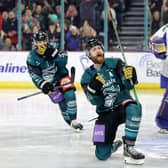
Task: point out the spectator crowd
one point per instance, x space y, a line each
82 19
159 14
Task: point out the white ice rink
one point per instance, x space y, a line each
34 135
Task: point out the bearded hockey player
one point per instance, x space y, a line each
106 84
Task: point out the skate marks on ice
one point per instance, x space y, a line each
40 146
155 150
153 144
155 147
33 134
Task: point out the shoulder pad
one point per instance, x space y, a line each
31 58
88 74
112 62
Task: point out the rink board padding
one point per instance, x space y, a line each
29 85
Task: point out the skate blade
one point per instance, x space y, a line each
131 161
77 130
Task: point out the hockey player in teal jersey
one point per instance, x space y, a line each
107 85
47 69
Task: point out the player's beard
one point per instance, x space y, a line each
99 59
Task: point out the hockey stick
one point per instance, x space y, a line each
93 119
57 87
122 52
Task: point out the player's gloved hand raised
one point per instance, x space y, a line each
50 51
130 74
158 46
47 87
95 85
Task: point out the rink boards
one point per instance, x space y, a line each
14 75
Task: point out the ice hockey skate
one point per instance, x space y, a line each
116 145
76 125
132 156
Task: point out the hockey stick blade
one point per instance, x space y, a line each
72 74
57 87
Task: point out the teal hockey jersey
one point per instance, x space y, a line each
50 69
116 88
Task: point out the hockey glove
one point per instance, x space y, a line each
95 85
50 51
158 46
47 87
130 74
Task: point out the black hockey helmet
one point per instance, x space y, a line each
40 41
40 36
91 43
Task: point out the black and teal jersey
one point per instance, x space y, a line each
116 88
50 69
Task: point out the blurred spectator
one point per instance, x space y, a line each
88 12
8 45
7 5
27 36
54 34
99 6
35 29
53 3
45 13
28 24
48 5
53 18
38 2
0 22
66 25
66 3
37 13
111 14
2 45
9 26
72 15
57 2
58 11
28 20
5 21
155 8
23 9
165 12
86 32
117 6
75 2
126 5
72 38
5 43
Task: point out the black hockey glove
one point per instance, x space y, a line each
47 87
130 74
50 51
95 85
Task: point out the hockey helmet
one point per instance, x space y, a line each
40 40
92 43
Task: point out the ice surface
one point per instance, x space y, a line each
34 135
